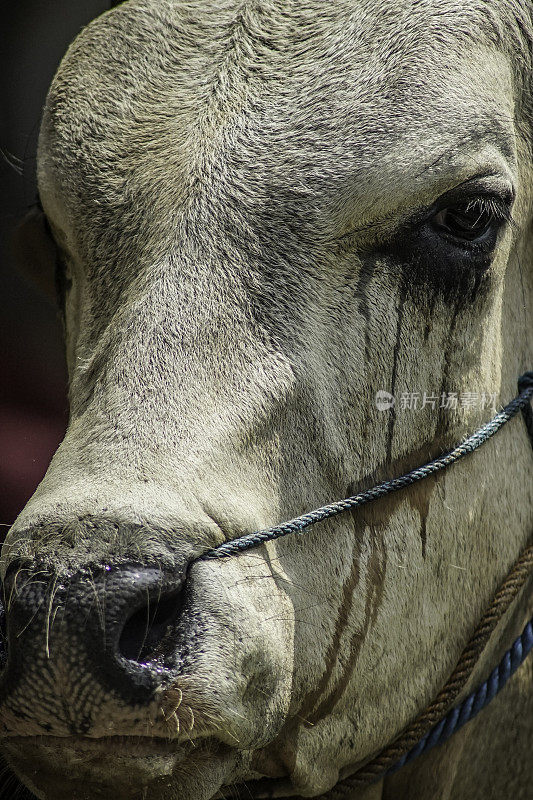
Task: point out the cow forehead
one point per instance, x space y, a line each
306 96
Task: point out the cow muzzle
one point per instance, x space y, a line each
135 655
114 625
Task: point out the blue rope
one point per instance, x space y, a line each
297 525
474 703
480 697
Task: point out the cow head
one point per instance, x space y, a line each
262 216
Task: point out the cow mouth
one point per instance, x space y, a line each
85 755
118 767
258 789
136 745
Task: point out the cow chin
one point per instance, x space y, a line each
119 768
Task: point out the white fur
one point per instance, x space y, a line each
198 163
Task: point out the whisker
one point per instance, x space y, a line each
13 161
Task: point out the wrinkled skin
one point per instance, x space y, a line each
243 200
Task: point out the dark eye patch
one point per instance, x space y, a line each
450 247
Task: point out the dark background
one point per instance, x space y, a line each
34 35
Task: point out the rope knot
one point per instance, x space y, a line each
525 381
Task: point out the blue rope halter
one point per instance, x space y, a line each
460 714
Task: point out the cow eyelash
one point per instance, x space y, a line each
471 221
490 205
498 206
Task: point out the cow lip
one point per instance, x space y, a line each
258 789
48 761
111 765
137 745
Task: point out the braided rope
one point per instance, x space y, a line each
430 727
527 411
476 701
297 525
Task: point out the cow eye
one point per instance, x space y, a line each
473 220
450 246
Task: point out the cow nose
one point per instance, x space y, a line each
118 623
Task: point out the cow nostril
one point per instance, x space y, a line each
146 628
